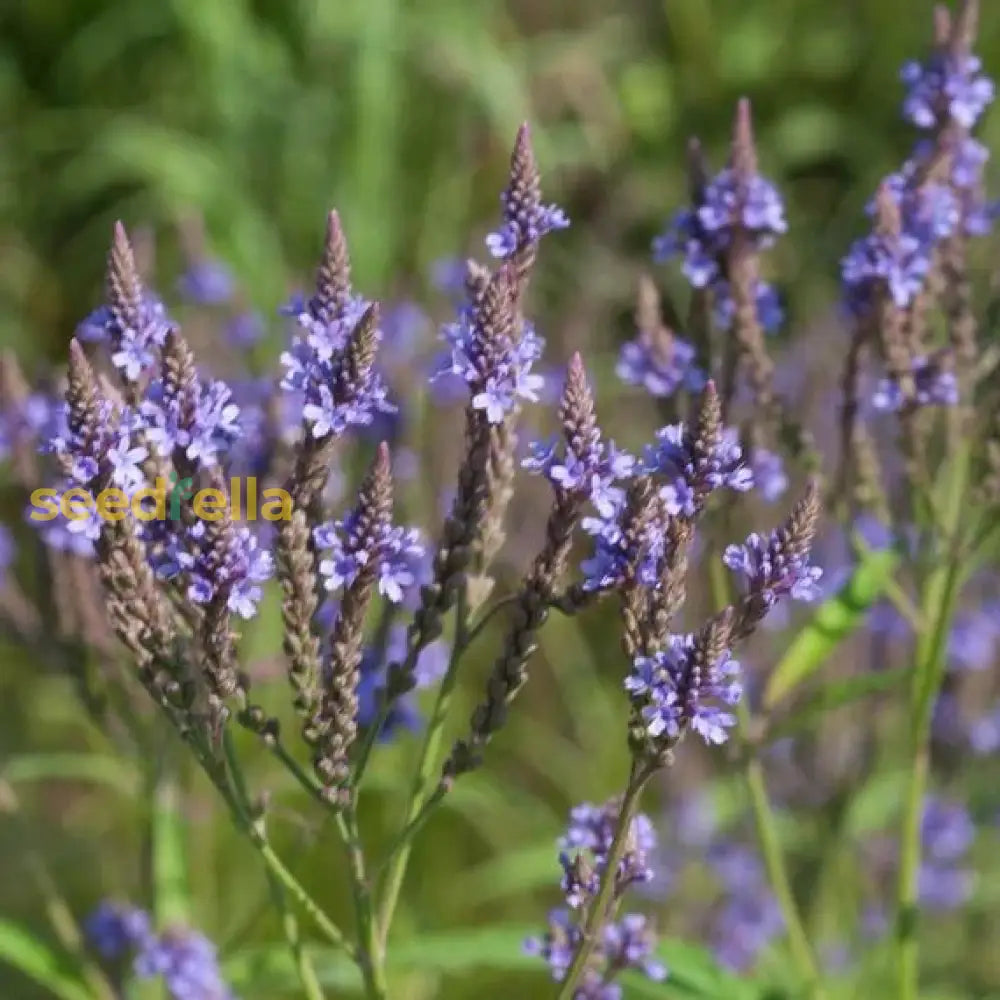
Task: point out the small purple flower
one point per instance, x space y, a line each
984 733
200 420
945 87
348 547
769 474
525 218
744 927
207 282
660 369
496 365
115 930
694 476
770 314
972 642
946 830
331 365
188 964
245 330
899 262
238 571
584 850
584 466
771 571
933 386
674 690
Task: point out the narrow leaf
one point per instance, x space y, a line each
35 959
833 622
170 889
102 769
838 694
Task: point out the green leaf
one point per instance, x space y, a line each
693 973
513 872
838 694
101 769
34 958
834 621
170 888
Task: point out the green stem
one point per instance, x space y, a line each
939 596
371 951
289 923
598 910
777 872
290 927
427 765
764 822
238 802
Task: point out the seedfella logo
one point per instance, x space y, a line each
165 500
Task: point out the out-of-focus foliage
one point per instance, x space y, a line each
258 116
262 115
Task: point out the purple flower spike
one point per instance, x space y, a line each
676 688
771 572
525 219
946 87
694 476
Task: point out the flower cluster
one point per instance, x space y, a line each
682 686
354 542
185 961
749 917
199 419
134 338
729 203
592 467
525 219
492 353
693 471
935 199
771 569
404 714
947 833
932 386
660 368
624 943
332 365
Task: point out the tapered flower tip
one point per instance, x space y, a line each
77 356
717 635
963 30
744 152
887 220
522 159
363 345
376 490
804 518
942 26
648 316
333 276
123 288
709 422
383 459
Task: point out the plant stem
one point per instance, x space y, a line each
764 822
598 909
290 927
427 764
777 872
370 953
939 595
238 803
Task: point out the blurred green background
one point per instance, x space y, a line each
259 116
